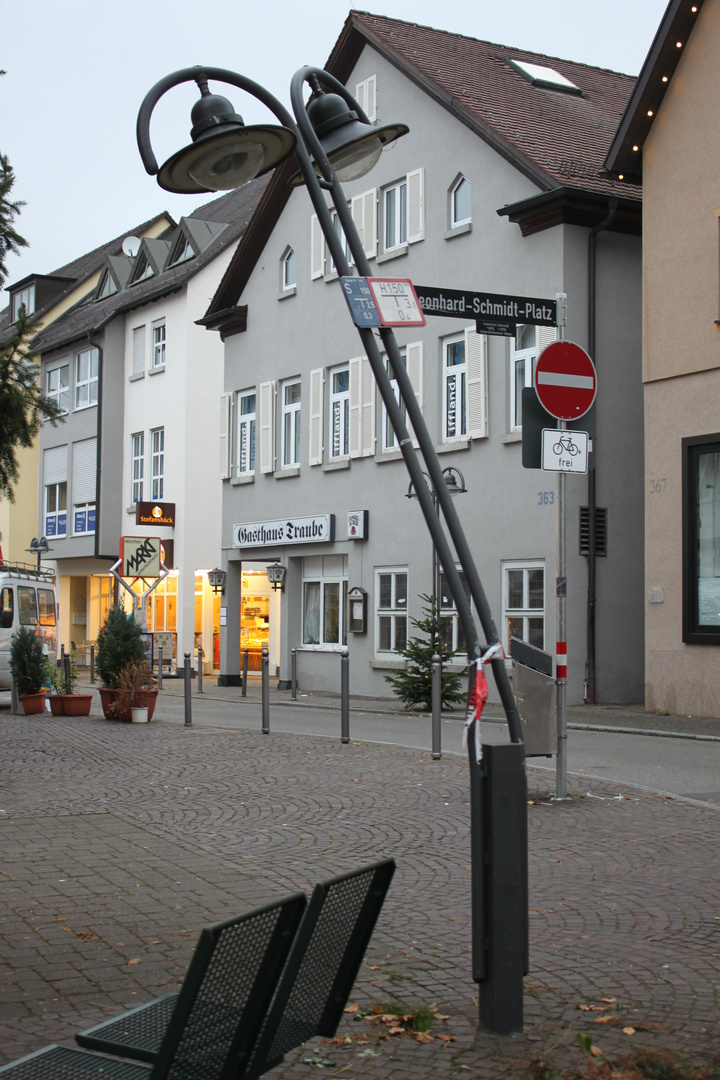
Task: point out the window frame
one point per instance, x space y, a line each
87 510
159 337
399 238
333 571
157 464
528 358
526 611
694 631
246 433
24 297
56 394
456 369
341 399
395 612
56 518
455 638
91 382
388 438
290 419
289 260
456 222
137 466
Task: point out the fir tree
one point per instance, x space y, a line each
413 684
10 239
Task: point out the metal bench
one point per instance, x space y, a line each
210 1028
312 992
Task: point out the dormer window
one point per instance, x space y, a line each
182 251
545 77
24 297
142 269
107 286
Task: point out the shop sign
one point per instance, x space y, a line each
140 556
155 513
296 530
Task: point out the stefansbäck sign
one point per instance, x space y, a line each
296 530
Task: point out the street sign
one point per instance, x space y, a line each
565 380
396 301
564 451
140 556
360 301
499 313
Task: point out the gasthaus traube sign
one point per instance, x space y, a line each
291 530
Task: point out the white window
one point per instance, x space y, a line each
453 631
339 402
460 203
84 479
289 270
325 588
366 97
464 386
528 343
55 474
391 618
137 465
138 351
403 212
182 251
157 463
267 394
246 403
57 386
24 298
158 347
87 367
524 603
290 423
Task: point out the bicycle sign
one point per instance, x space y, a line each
564 451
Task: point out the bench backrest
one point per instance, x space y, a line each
323 964
226 993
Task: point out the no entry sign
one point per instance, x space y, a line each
565 380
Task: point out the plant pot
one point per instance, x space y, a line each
70 704
33 703
139 714
145 699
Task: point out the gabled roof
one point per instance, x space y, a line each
233 210
77 271
557 139
625 154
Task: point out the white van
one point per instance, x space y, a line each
27 598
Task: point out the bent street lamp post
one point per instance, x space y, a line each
224 154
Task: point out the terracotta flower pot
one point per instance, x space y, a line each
70 704
33 703
108 698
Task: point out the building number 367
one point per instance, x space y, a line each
546 498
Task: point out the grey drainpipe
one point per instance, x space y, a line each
590 681
98 466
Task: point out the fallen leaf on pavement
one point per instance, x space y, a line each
352 1009
596 1051
628 1031
133 962
422 1037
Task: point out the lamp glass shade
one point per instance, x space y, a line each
227 159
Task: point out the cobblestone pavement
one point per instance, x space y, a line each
118 842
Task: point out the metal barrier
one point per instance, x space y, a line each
265 692
188 699
345 696
436 707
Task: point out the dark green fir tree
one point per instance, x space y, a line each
413 684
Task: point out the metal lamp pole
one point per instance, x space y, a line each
500 1004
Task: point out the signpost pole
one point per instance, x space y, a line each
561 589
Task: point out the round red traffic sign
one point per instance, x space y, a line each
565 380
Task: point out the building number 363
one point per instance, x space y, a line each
546 498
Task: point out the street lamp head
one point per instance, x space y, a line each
352 146
454 481
224 153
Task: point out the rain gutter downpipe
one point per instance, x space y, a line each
98 448
590 673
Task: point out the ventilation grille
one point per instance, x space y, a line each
600 530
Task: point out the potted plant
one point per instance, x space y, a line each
62 679
119 644
136 692
27 664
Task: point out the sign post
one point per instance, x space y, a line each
566 384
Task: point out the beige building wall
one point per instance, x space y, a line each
681 353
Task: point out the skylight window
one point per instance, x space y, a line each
547 77
183 250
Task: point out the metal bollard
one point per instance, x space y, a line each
345 696
160 663
200 656
92 663
66 673
293 673
62 651
188 700
265 693
436 706
244 673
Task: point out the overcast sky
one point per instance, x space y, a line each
77 71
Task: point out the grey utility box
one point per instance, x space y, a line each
535 693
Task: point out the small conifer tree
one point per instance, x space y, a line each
413 684
120 642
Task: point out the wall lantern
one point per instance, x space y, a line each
216 578
276 576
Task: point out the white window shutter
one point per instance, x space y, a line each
317 380
317 249
267 427
364 212
225 436
414 368
138 347
416 206
55 465
545 336
367 422
476 359
355 418
84 471
366 97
